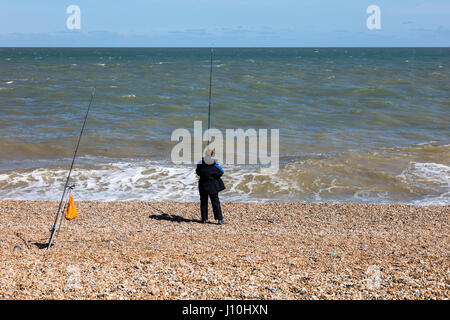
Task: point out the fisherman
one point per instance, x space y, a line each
210 184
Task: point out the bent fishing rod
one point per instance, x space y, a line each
66 185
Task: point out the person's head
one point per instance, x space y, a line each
208 157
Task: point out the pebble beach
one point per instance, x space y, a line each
160 250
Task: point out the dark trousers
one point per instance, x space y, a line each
215 205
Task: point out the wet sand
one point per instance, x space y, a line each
149 250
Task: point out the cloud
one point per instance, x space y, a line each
424 30
439 30
244 36
427 8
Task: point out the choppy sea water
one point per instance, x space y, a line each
356 125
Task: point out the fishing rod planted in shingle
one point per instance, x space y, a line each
68 188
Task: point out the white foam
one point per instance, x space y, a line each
371 196
114 181
434 177
144 181
435 173
161 181
328 189
129 96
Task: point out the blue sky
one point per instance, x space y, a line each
225 23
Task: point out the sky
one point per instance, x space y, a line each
225 23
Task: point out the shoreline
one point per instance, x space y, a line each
269 250
251 202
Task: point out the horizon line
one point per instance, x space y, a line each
225 47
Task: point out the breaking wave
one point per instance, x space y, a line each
419 184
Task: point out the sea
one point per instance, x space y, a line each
356 125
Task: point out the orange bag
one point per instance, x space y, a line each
72 212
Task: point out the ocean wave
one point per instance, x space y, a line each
426 173
433 177
112 181
299 181
129 96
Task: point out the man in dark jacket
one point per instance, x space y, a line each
210 184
